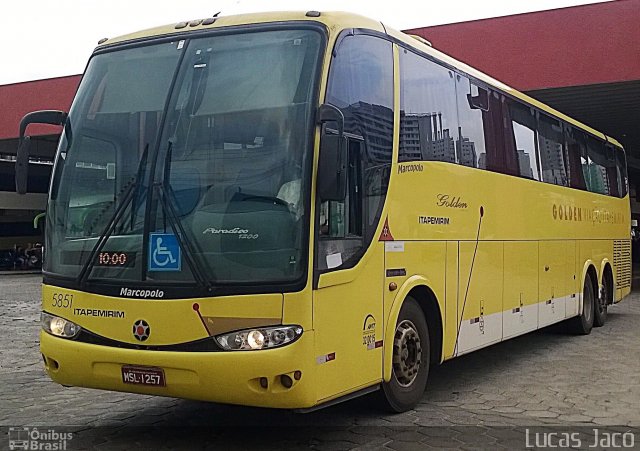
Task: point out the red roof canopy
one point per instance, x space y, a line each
575 46
18 99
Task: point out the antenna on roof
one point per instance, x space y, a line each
235 3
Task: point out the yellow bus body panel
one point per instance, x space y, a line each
535 242
225 377
171 321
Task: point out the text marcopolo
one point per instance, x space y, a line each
131 293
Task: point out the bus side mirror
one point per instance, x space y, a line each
51 117
332 164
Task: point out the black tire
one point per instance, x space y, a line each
600 310
583 324
411 354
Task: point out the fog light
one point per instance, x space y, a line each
59 327
286 381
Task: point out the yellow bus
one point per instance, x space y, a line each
293 209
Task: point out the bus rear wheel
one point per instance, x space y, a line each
600 316
583 323
411 354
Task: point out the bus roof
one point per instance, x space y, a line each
337 21
334 20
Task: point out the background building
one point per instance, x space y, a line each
17 212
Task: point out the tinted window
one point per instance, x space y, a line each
428 118
361 85
611 168
551 151
598 180
576 153
621 164
473 110
446 116
523 121
483 135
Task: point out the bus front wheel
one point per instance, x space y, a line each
411 354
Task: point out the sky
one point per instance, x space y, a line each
53 38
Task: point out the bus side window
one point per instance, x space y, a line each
475 124
523 120
551 151
621 164
361 86
428 112
597 164
575 155
612 170
341 222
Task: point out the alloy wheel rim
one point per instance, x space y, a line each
407 353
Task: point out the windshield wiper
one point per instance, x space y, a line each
166 197
136 196
114 220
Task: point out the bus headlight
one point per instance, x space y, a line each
261 338
59 327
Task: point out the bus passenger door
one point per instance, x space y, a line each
347 305
349 259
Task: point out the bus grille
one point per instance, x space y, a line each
622 262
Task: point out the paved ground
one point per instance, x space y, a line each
480 401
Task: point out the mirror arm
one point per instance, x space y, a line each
51 117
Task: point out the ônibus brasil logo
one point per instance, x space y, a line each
32 438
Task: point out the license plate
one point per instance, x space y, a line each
143 375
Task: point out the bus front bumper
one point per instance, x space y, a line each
225 377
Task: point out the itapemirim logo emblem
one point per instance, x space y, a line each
141 330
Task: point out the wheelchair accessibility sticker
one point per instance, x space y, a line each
164 252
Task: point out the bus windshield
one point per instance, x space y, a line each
188 160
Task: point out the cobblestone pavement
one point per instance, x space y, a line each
483 400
